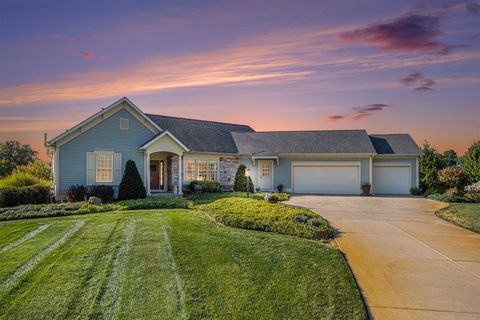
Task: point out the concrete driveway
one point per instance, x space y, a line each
409 263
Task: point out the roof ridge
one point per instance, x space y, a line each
344 130
388 134
183 118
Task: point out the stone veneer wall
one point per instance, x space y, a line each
228 168
172 172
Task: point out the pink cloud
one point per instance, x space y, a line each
88 55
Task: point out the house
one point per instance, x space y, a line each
170 152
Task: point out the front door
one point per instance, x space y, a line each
154 174
265 175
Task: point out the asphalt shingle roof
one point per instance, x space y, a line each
395 144
201 135
328 141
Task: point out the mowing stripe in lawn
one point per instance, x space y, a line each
30 264
109 297
29 235
173 267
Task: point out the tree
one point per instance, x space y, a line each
131 186
430 163
241 180
449 158
37 169
471 162
15 154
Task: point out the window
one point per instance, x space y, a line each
104 167
189 170
124 123
212 170
265 170
200 170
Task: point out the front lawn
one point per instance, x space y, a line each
466 215
167 264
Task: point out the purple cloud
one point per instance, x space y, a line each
358 113
410 33
418 81
473 7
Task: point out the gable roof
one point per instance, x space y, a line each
303 142
92 120
201 135
395 144
159 136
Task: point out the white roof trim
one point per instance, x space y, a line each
99 114
165 133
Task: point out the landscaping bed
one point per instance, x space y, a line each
83 207
465 215
272 217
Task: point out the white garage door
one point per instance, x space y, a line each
326 178
391 179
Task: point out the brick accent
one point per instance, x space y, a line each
172 172
228 168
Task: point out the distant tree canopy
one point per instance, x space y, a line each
471 162
13 154
450 159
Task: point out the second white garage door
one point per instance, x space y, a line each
326 178
391 179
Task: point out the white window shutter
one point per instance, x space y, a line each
117 168
90 168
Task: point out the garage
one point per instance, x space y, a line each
326 178
391 179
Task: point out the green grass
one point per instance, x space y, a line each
169 264
466 215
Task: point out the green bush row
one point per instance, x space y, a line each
205 186
10 197
472 196
273 217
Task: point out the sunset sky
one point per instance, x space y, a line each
384 66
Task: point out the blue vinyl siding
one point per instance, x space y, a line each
282 171
105 135
412 161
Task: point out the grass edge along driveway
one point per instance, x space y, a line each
170 264
465 215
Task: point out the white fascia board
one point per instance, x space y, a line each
165 133
78 127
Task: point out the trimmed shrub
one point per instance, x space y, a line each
10 197
240 183
473 195
22 179
434 190
301 219
131 186
273 217
106 193
452 178
205 186
471 163
76 193
37 169
416 191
